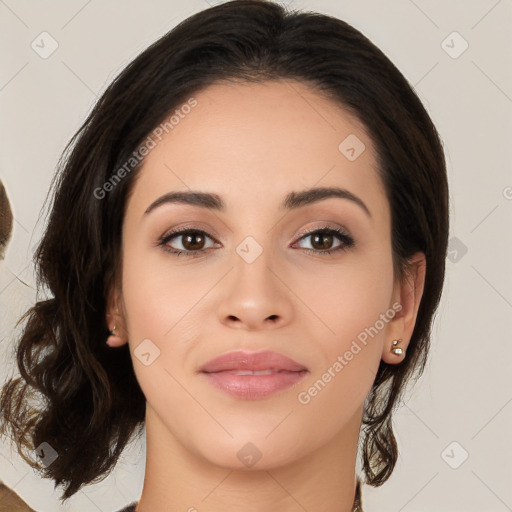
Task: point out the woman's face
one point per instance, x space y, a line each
260 283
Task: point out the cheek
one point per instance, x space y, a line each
158 293
354 312
159 299
349 297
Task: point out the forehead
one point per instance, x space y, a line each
252 141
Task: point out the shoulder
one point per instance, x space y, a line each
11 502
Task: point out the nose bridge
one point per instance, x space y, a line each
253 263
255 294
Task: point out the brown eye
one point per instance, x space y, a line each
192 242
186 241
323 240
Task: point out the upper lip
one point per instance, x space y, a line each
256 361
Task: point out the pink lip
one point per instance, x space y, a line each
283 373
241 360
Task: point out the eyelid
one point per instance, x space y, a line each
324 227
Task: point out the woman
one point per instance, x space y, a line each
245 253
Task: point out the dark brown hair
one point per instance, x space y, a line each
91 401
5 220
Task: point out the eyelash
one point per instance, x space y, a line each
345 238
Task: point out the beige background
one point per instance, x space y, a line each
465 395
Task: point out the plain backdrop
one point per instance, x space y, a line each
454 428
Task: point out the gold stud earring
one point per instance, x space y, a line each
397 350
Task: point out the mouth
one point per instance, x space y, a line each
254 385
253 376
253 372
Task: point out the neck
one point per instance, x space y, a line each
178 479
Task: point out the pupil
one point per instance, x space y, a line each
322 245
192 245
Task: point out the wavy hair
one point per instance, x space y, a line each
90 403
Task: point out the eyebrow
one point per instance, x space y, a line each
291 201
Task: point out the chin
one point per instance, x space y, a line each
250 449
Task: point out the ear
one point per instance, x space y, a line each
407 295
115 318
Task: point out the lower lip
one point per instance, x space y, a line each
253 387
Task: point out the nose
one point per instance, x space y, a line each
255 296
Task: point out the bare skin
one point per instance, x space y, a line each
252 144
